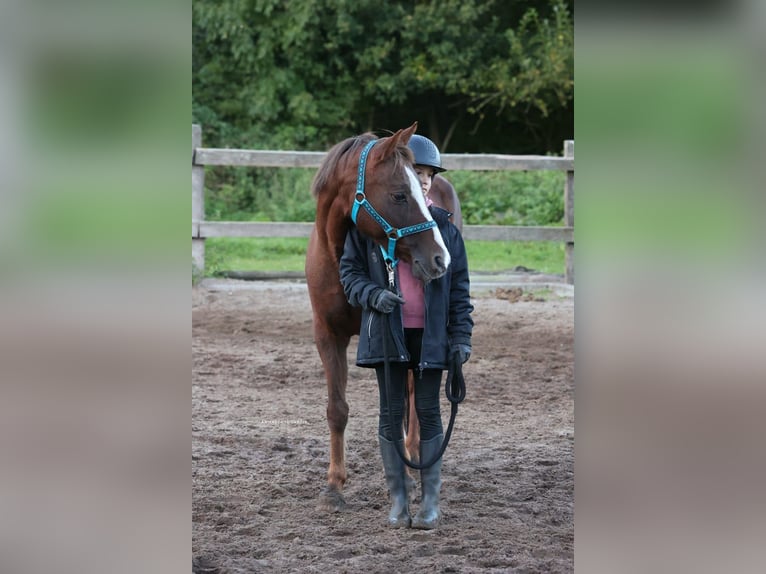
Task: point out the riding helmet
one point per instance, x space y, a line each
426 153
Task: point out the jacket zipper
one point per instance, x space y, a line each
369 331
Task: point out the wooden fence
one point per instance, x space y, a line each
202 229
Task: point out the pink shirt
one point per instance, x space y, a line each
413 292
414 307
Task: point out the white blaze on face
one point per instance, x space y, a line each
417 193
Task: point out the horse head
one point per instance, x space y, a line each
393 190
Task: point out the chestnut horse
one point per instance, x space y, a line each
390 190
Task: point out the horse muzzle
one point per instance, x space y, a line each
428 269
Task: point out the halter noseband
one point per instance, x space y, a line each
360 200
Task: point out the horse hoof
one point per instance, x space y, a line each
332 501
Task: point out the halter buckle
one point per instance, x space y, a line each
391 278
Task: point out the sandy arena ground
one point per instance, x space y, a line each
260 443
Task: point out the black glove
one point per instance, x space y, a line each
462 351
385 301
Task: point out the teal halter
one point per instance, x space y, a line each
360 200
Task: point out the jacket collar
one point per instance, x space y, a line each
441 216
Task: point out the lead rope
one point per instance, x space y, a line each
454 388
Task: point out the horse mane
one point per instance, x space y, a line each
334 157
348 146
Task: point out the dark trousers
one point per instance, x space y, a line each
427 386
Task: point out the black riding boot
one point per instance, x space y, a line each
428 516
399 517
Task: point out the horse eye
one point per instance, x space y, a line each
399 197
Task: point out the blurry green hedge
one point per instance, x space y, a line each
284 194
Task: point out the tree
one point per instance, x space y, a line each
478 75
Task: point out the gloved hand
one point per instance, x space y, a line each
385 301
463 352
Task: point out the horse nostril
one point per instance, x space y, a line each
439 262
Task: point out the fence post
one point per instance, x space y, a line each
198 204
569 211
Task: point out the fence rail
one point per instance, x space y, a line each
453 161
202 229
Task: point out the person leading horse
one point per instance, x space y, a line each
430 322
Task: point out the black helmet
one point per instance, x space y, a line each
426 153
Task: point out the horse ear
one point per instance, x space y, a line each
407 134
400 137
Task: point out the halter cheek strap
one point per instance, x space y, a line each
360 200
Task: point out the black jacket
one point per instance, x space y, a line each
447 300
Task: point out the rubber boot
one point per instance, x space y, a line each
428 516
399 517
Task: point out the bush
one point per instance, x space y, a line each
259 194
284 194
510 198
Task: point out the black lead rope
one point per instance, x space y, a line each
454 388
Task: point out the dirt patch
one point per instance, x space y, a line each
260 446
516 294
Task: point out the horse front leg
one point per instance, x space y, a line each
332 351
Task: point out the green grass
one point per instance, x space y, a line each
541 256
254 254
289 254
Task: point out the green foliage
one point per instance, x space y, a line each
304 74
510 198
534 71
262 194
488 198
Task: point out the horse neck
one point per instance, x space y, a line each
336 214
334 202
